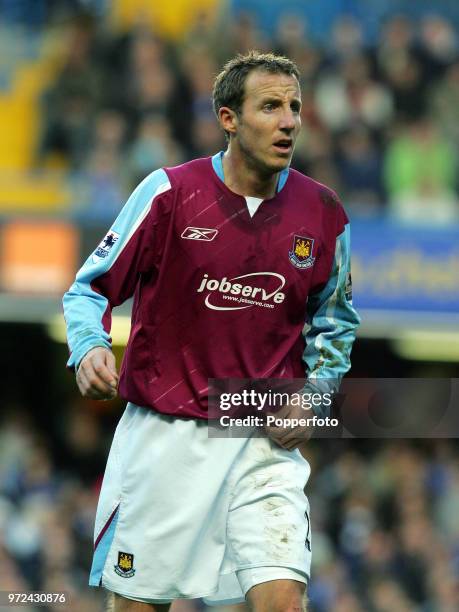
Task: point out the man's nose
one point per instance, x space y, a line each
287 121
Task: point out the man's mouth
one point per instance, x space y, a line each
284 145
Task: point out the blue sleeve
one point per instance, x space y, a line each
331 323
109 275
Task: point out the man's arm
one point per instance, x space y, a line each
329 333
108 278
331 324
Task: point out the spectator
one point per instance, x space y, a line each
207 137
404 76
353 96
420 167
346 41
153 147
152 83
444 104
439 45
359 165
99 187
201 70
244 34
70 104
396 41
386 596
291 35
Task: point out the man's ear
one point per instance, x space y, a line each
228 120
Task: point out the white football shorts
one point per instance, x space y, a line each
182 515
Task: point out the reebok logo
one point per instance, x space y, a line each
199 233
243 295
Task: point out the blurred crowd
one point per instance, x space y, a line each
384 517
380 119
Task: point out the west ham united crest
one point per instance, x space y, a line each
301 254
125 566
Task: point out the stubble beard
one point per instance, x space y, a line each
258 164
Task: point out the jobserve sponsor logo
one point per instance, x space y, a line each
261 289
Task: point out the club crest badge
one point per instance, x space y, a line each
125 565
105 246
301 254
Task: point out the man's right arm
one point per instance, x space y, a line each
108 278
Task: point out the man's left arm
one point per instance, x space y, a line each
329 333
330 327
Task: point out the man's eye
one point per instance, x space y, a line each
268 107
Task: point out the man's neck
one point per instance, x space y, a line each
246 181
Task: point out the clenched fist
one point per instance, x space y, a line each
97 377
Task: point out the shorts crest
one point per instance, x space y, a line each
125 565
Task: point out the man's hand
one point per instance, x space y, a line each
291 437
97 377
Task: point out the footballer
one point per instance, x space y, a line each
239 267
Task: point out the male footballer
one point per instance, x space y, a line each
239 267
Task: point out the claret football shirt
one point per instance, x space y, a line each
224 286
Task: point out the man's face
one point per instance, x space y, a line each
269 121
